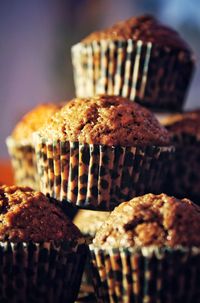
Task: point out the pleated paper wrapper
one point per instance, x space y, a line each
147 275
96 176
23 162
47 272
183 177
155 76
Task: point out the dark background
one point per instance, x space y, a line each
35 41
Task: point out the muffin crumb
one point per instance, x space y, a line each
183 123
106 120
26 215
33 120
144 28
151 220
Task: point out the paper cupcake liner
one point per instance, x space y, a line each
157 77
183 177
23 162
98 176
47 272
146 275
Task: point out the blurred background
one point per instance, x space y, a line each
36 37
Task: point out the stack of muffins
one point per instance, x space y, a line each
103 148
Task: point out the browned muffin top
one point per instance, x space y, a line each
26 215
151 220
89 221
145 28
33 120
185 123
106 120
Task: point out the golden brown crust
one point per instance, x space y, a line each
89 221
145 28
33 120
185 123
106 120
26 215
151 220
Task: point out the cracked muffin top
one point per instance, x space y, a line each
26 215
106 120
151 220
185 123
145 28
33 120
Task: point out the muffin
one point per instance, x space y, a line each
138 58
148 250
20 146
162 116
89 221
183 178
42 252
97 152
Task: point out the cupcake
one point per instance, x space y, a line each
20 146
183 178
148 250
42 252
97 152
140 59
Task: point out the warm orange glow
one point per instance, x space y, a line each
6 176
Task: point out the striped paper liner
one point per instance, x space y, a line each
155 76
146 275
98 176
